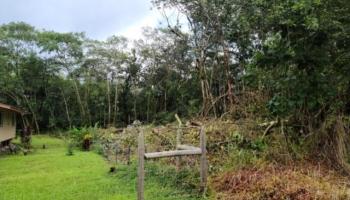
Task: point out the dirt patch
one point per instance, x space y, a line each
276 183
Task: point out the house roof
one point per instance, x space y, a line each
12 108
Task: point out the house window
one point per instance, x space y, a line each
1 119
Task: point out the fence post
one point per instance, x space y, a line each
128 155
203 162
141 165
178 142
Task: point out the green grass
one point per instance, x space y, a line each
52 175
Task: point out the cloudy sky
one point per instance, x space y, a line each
97 18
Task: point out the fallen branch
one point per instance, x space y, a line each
178 120
271 125
267 130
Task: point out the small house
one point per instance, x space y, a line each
8 116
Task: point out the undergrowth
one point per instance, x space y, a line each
244 163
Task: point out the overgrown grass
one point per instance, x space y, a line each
50 174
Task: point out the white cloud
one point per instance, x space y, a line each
154 18
134 31
98 18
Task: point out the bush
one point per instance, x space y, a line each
82 137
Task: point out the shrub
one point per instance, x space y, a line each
82 137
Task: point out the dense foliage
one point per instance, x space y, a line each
290 57
65 79
274 75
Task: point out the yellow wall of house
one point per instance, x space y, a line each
7 126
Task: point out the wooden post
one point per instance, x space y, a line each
178 143
182 150
141 165
176 153
128 155
203 162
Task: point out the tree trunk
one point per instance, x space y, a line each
87 95
165 101
227 72
109 103
82 110
33 113
148 102
115 104
67 111
135 115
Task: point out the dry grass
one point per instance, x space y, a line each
300 182
241 169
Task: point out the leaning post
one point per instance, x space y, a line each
178 141
203 162
141 165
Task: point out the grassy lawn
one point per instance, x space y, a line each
51 174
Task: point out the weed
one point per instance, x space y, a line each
70 149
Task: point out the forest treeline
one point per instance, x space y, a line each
66 79
285 59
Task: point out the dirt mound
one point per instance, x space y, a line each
277 183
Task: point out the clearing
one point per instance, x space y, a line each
50 174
